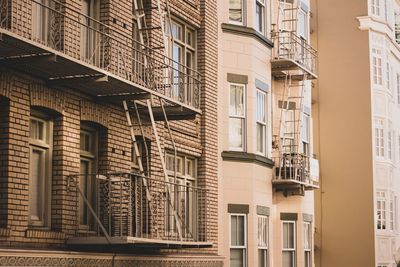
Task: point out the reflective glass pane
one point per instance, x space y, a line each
234 234
236 133
287 259
236 258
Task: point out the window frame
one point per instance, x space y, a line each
308 240
380 146
292 250
381 211
306 133
261 21
377 66
92 158
243 12
244 246
45 146
263 124
263 249
300 28
243 119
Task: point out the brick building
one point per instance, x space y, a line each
108 133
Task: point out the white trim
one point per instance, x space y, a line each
244 246
242 117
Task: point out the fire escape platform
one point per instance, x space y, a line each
283 184
129 241
61 70
281 67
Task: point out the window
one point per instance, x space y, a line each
236 12
182 192
376 7
390 143
41 20
391 213
182 50
307 244
90 38
238 242
303 22
262 241
381 210
260 16
40 149
398 88
288 244
379 138
305 134
237 117
377 66
87 178
388 74
261 121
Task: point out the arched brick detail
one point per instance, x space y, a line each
6 82
95 113
43 96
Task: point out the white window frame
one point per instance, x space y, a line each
398 88
376 7
306 133
377 66
390 142
243 12
260 20
380 138
260 123
308 240
44 145
244 246
381 211
305 27
241 117
391 211
263 240
292 250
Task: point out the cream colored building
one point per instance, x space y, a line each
267 172
358 107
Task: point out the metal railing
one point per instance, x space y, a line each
64 29
293 167
290 46
128 205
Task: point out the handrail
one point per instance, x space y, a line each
110 49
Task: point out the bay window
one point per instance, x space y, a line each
238 242
262 241
307 244
261 121
236 12
260 16
288 244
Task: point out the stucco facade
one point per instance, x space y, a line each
247 171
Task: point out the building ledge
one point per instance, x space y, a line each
247 157
246 31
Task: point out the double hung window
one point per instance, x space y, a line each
236 12
238 242
260 16
261 121
262 241
288 244
40 150
307 244
237 117
381 210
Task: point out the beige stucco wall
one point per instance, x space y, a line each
246 182
345 203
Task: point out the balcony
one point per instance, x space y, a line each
296 171
292 54
124 210
65 48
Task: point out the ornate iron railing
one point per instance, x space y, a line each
64 29
294 167
289 46
128 205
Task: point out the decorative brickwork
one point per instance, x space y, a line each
91 111
44 96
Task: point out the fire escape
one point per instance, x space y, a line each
293 65
126 68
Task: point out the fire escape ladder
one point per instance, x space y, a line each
291 160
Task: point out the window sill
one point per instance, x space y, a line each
44 234
247 157
246 31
